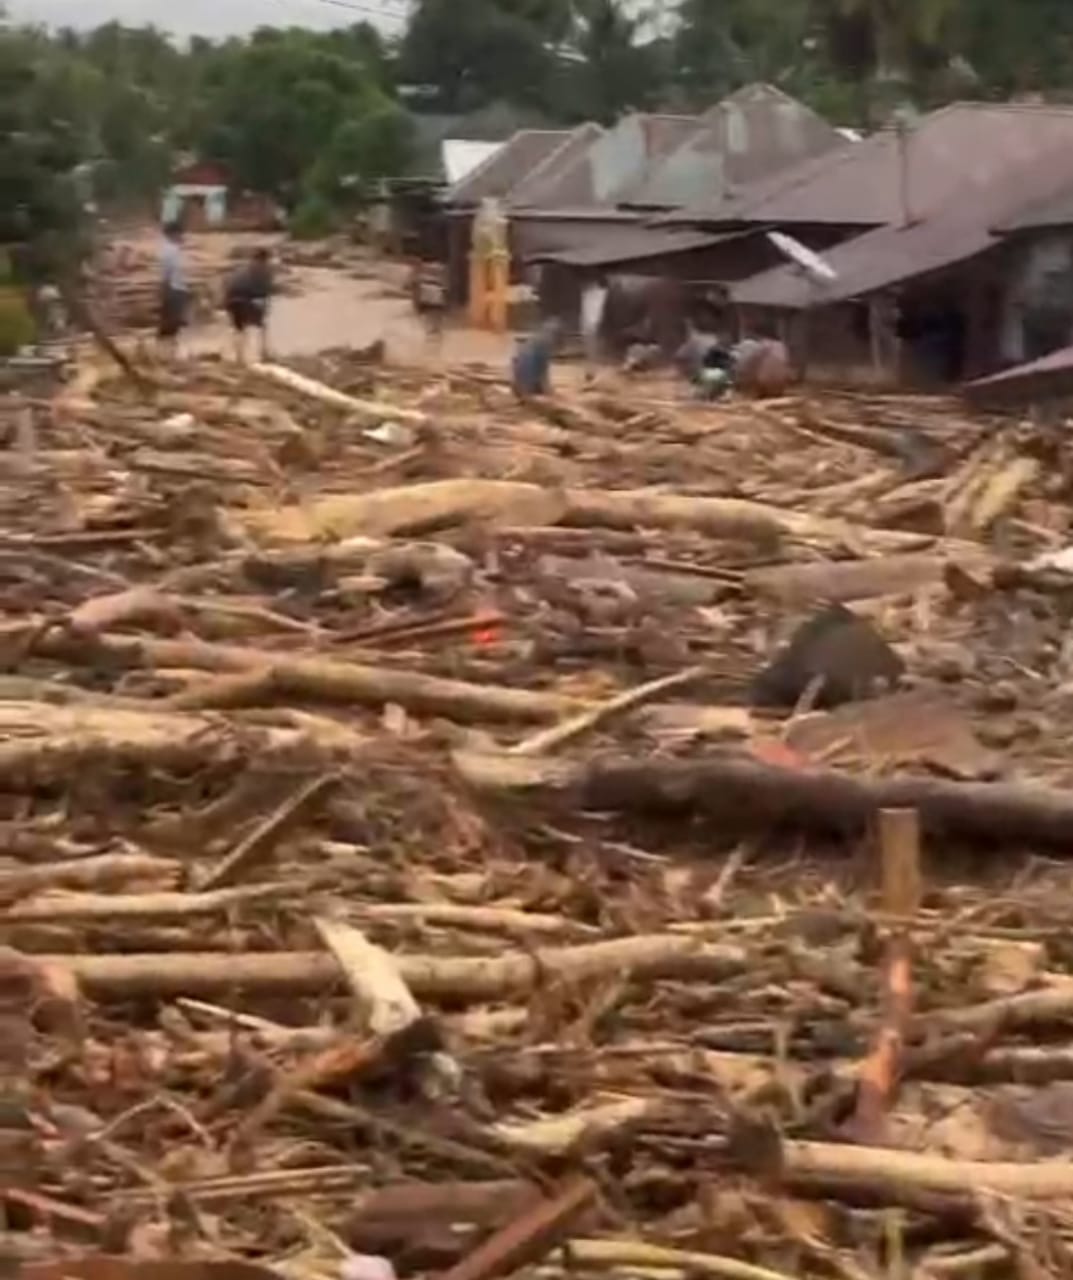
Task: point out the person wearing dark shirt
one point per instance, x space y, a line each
246 299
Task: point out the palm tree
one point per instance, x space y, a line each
885 45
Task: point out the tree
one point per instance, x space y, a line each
42 144
613 70
471 52
722 44
270 106
888 48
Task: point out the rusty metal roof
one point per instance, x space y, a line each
555 165
983 202
862 184
649 242
614 161
752 134
520 156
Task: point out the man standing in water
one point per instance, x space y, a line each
246 298
174 293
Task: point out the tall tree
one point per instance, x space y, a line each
888 48
723 44
471 52
614 68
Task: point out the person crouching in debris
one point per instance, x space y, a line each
531 368
174 293
706 360
246 298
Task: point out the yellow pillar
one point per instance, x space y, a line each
478 289
498 311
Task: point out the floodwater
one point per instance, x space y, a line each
331 308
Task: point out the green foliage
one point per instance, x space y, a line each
17 327
315 120
313 218
470 52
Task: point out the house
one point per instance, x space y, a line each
526 156
203 197
697 263
750 135
197 196
963 261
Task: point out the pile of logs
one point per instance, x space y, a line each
395 864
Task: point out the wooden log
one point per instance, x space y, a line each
906 1175
101 871
846 580
79 908
313 972
42 744
745 793
638 1258
379 410
322 679
720 518
880 1075
439 504
137 605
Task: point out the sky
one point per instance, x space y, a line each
209 17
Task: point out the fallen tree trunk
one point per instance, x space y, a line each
318 678
311 972
735 791
42 744
438 504
378 410
906 1175
846 580
720 518
78 908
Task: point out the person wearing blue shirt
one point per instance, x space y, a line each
531 368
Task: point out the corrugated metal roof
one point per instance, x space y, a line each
462 155
862 184
557 163
614 161
750 135
650 242
517 159
495 122
966 225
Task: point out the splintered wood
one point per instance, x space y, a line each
394 864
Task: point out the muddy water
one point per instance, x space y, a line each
331 308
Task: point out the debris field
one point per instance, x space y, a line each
602 835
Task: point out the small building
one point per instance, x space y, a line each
970 270
524 158
751 135
203 197
696 266
645 166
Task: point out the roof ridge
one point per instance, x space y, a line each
535 175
